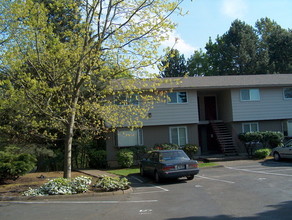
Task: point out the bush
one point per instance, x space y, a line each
61 186
108 183
125 158
97 159
138 151
166 146
262 153
14 165
190 150
269 139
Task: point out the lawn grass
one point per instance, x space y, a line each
125 171
135 170
202 165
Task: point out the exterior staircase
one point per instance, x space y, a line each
224 138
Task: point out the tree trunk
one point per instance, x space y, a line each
69 139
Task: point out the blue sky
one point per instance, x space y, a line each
209 18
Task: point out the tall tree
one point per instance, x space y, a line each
235 52
62 67
199 65
174 65
277 43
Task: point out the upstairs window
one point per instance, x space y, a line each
249 94
177 97
127 99
250 127
287 93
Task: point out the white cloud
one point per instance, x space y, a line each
234 8
178 43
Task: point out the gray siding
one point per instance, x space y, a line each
171 114
271 106
224 106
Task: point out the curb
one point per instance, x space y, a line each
74 196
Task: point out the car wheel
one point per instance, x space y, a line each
277 156
157 177
142 173
190 177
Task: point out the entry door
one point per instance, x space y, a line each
210 108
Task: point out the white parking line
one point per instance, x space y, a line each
261 172
213 179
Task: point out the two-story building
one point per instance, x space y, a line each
211 111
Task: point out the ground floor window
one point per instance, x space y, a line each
250 127
178 135
289 128
128 138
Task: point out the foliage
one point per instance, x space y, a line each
14 165
139 152
190 150
124 172
97 159
165 146
108 183
125 158
173 65
62 56
269 139
61 186
262 153
244 50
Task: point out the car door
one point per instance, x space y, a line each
288 149
151 162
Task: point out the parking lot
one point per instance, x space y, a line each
237 190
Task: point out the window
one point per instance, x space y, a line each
250 94
128 138
288 93
127 99
250 127
178 135
177 97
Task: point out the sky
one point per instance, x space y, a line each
209 18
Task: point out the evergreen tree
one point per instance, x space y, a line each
174 65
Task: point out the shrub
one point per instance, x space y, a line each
61 186
262 153
108 183
14 165
269 139
138 151
97 159
190 150
125 158
166 146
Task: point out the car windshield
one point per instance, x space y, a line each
175 155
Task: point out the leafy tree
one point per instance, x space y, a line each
235 52
59 69
277 43
174 65
198 64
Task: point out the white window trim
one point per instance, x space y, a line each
249 123
178 103
250 100
177 127
140 137
284 93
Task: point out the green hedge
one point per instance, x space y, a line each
14 165
262 153
125 158
269 139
